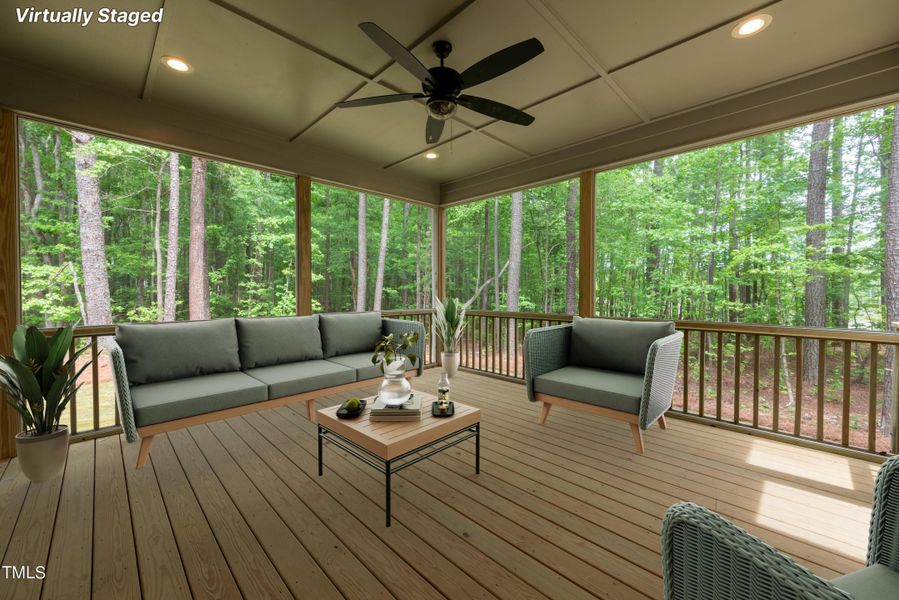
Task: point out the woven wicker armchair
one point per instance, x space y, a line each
625 370
706 557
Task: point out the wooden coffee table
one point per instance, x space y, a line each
390 446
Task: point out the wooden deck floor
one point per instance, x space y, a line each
563 511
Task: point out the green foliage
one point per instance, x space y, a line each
449 322
389 350
38 379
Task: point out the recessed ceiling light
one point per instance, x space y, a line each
432 155
751 25
177 64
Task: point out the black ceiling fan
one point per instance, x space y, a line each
442 86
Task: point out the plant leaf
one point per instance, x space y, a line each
36 346
18 343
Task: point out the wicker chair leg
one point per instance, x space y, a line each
544 412
310 410
638 437
662 423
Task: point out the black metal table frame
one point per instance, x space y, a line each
391 466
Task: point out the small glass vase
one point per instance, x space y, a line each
395 389
443 393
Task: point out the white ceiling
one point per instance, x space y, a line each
278 67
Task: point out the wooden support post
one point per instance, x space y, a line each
439 270
304 244
894 413
587 245
9 267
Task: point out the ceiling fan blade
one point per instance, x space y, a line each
495 109
395 50
433 130
372 100
501 62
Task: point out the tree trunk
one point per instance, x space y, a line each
326 287
654 258
710 270
382 255
362 256
93 242
496 281
814 241
198 267
171 260
418 293
486 255
571 247
514 277
157 244
838 232
891 271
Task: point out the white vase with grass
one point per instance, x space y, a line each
449 323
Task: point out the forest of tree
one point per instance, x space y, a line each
113 231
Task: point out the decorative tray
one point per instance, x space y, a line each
343 413
449 412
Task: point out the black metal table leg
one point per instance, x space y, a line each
477 449
387 491
320 436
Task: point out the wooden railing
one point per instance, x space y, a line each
727 375
840 405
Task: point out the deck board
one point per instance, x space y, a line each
563 510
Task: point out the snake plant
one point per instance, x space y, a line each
39 380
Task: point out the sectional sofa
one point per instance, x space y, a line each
174 375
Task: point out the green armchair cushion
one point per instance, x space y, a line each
349 333
877 582
166 351
608 389
361 363
615 345
300 377
179 398
278 340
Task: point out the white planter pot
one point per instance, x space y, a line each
450 362
43 457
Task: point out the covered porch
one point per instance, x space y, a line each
564 510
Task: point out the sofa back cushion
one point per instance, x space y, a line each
165 351
278 340
615 345
349 333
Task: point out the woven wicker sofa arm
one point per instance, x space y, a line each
661 375
883 542
545 350
706 557
122 389
399 327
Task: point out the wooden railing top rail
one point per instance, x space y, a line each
853 335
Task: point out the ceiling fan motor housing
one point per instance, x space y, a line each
442 88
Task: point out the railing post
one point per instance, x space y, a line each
9 267
303 219
586 273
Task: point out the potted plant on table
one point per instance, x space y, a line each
391 354
40 383
449 323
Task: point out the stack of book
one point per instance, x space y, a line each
410 411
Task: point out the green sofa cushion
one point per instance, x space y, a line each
613 344
299 377
169 400
877 582
361 363
608 389
349 333
278 340
166 351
